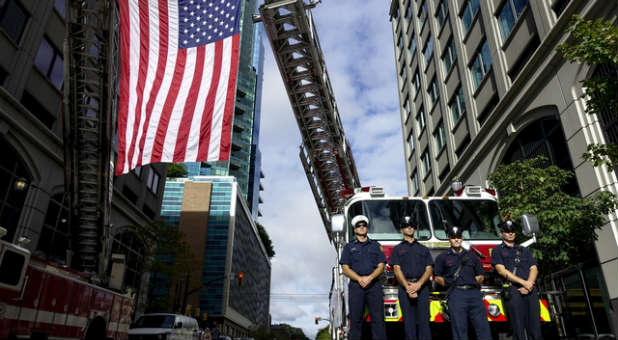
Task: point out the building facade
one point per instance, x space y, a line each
31 83
213 214
481 84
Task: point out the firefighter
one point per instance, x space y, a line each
413 265
462 270
363 262
522 308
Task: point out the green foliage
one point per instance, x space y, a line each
266 241
176 170
595 42
567 223
281 332
170 258
323 333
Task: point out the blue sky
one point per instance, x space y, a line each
358 47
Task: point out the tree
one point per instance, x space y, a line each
176 170
170 261
567 223
595 42
281 332
268 244
323 333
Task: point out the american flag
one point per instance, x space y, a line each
179 60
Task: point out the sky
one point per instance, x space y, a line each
358 49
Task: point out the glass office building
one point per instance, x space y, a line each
222 234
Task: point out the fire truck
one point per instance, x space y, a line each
473 208
41 300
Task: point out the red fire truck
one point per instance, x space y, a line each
43 300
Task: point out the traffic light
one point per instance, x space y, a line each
240 276
316 320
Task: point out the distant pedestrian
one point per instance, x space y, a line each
363 262
413 265
517 266
462 270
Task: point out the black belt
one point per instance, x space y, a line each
412 280
466 287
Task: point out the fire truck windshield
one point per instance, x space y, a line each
479 218
386 214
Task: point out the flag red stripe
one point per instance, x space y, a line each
206 125
144 38
163 47
123 102
187 115
228 116
168 107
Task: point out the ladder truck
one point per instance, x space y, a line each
40 299
329 165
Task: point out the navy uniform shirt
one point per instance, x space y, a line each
447 263
413 258
362 257
505 256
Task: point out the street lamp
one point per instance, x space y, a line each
20 184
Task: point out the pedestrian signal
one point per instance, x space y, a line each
240 277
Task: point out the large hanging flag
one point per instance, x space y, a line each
179 60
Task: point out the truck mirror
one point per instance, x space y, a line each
529 224
337 223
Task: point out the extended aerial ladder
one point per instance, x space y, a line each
325 152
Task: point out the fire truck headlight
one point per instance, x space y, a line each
493 310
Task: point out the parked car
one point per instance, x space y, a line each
163 326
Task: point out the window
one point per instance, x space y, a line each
137 171
49 61
59 6
406 106
472 6
416 82
428 52
439 137
399 41
412 47
415 182
509 14
457 106
420 120
37 109
13 19
411 142
422 16
449 57
442 12
409 13
481 64
55 235
153 181
433 91
426 162
3 75
11 267
12 196
403 74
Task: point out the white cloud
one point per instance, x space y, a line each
358 49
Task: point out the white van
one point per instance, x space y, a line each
162 326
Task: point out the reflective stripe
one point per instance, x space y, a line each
545 316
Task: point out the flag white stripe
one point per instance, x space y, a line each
194 134
221 95
172 53
176 118
134 50
153 59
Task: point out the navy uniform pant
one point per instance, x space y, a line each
523 311
464 305
373 297
415 314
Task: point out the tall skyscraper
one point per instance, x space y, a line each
481 84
